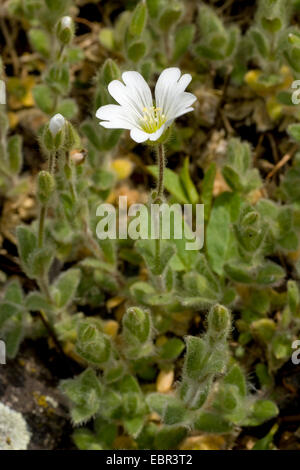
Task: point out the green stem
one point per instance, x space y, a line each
70 177
161 167
157 253
42 218
158 200
52 162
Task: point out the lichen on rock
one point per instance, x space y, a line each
14 434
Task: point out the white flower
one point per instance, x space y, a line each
138 113
66 22
56 124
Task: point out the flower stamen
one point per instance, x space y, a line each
152 119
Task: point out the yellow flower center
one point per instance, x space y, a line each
152 119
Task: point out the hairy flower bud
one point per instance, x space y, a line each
65 30
92 344
56 124
45 186
71 138
53 136
137 332
218 322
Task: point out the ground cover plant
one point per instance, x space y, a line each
126 343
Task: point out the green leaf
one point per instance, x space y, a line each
235 376
40 261
13 334
134 425
44 98
294 131
27 243
207 189
136 51
170 16
188 184
169 437
293 296
110 71
271 25
86 440
85 392
171 349
153 7
40 41
270 273
266 442
206 421
260 42
262 411
139 19
68 108
8 310
35 302
64 288
14 150
146 248
183 38
263 375
195 357
90 130
218 238
14 293
106 431
170 408
172 183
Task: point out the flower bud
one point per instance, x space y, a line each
54 132
56 124
65 30
77 156
218 322
45 186
71 138
137 323
250 218
92 345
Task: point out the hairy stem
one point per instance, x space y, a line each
52 163
158 200
161 167
42 217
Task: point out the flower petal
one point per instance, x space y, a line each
126 97
164 89
180 104
170 94
139 87
115 117
183 82
108 111
138 135
156 135
115 124
180 113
